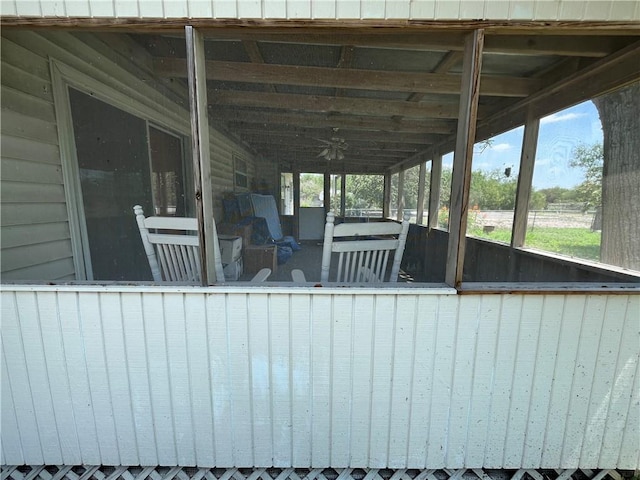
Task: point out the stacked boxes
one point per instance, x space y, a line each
231 253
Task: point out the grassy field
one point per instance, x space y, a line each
575 242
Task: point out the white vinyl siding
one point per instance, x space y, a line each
35 234
369 378
548 10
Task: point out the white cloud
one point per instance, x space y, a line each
561 117
500 147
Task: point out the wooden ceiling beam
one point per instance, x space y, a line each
345 78
361 136
331 120
521 44
253 51
325 104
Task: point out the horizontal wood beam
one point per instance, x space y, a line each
333 120
509 41
373 148
321 103
378 80
409 141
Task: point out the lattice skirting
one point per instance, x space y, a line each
84 472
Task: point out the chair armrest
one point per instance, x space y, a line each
262 275
298 276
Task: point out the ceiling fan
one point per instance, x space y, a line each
333 149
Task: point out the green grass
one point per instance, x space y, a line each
576 242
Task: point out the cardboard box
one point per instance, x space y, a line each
230 248
232 271
257 257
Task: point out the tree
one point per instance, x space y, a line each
589 159
620 244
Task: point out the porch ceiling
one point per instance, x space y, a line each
391 95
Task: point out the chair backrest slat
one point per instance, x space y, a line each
363 250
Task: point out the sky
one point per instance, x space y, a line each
559 135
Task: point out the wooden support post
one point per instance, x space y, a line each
327 193
400 212
465 138
210 258
434 190
343 195
421 184
386 196
296 202
525 178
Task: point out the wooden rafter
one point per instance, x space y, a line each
379 80
318 103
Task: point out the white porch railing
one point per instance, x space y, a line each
397 378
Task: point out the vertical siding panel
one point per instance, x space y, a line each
298 8
91 324
425 351
175 327
546 10
552 313
275 8
423 9
372 8
382 373
583 377
471 9
16 364
604 380
102 9
362 380
281 375
442 382
150 8
138 371
241 380
249 9
220 375
78 8
125 8
563 374
199 366
261 381
321 380
173 9
397 9
301 393
622 390
483 370
630 451
464 353
503 380
401 388
342 8
57 376
76 357
200 8
36 362
571 10
159 380
118 378
525 366
521 9
445 9
341 379
10 439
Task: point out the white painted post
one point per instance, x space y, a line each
326 248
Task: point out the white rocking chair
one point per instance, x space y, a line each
361 260
175 256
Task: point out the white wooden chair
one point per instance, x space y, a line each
365 259
175 256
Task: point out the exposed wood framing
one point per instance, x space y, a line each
343 194
421 185
211 265
296 202
461 177
379 80
386 196
400 212
321 103
525 179
434 190
327 192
